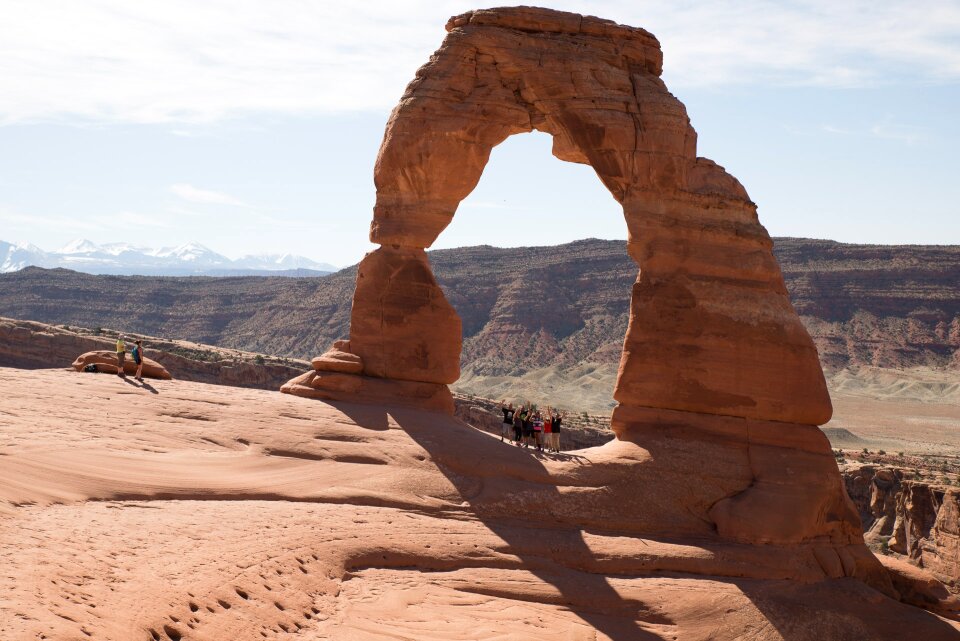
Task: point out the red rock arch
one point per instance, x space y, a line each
711 326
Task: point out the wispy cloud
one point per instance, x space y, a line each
90 224
181 61
904 133
205 196
887 129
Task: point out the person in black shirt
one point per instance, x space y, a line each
507 425
555 432
527 419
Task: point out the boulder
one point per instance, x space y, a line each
106 361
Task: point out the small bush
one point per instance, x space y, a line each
258 359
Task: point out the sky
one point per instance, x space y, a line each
253 126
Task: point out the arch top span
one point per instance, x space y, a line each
711 326
592 84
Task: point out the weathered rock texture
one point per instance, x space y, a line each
916 519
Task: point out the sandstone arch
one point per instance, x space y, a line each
711 328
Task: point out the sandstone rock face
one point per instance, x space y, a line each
106 361
927 529
918 520
711 330
874 492
402 326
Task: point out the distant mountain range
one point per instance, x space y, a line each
538 322
191 259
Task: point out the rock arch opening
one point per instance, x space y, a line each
531 328
711 328
528 197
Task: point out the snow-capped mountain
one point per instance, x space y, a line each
123 258
16 256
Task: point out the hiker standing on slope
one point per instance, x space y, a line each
138 359
121 352
547 430
518 426
555 427
507 424
538 430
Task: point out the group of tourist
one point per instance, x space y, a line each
529 427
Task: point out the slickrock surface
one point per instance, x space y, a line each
711 327
212 513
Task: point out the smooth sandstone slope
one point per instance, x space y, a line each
188 511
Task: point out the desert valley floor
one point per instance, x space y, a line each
175 510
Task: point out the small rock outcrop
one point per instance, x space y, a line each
106 362
912 518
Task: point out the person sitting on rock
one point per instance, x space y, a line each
121 352
138 359
507 424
